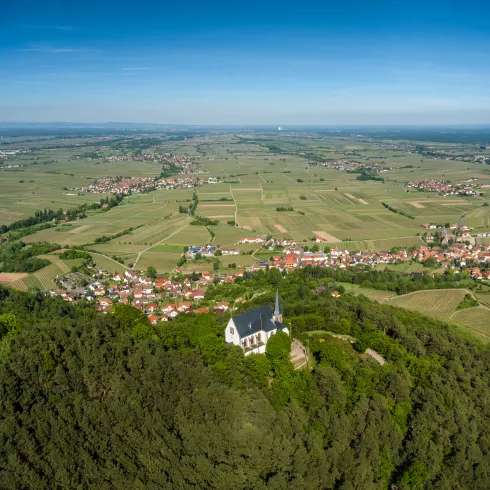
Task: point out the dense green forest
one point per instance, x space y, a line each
109 401
366 277
19 257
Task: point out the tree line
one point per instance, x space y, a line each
48 215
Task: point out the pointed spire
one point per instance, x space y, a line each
277 309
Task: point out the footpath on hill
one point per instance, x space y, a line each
299 355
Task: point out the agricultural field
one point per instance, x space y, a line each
269 184
376 295
192 235
383 244
24 192
43 279
162 260
483 298
103 262
11 277
476 318
439 303
73 262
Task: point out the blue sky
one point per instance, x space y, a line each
268 62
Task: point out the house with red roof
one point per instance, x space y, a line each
222 306
194 294
184 306
151 307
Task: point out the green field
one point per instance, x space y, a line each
476 318
377 295
161 260
439 303
483 298
107 263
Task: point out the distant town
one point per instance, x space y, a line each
135 185
446 188
350 166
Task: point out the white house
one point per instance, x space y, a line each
252 330
251 240
229 251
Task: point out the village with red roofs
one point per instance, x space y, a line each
163 298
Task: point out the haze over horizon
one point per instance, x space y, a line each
274 63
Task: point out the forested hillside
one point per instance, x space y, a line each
109 401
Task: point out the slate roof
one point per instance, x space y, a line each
254 321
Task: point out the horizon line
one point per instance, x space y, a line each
277 125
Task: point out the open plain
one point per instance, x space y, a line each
281 186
